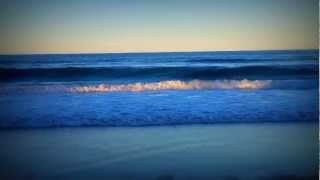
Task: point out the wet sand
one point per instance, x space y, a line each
220 151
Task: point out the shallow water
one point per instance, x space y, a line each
222 151
157 108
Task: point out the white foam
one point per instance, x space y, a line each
174 85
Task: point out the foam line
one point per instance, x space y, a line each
174 85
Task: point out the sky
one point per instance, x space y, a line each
79 26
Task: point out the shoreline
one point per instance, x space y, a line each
221 123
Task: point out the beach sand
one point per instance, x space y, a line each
220 151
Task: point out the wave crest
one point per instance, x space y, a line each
174 85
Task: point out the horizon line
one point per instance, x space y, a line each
147 52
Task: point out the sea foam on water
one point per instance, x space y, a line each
175 85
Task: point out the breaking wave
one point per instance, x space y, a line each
177 85
174 85
70 74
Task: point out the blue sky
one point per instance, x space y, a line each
151 25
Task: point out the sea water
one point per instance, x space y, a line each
139 89
248 114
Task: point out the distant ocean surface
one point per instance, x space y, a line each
142 89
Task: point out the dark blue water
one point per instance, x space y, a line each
139 89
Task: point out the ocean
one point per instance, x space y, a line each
142 89
174 115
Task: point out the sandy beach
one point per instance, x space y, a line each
221 151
